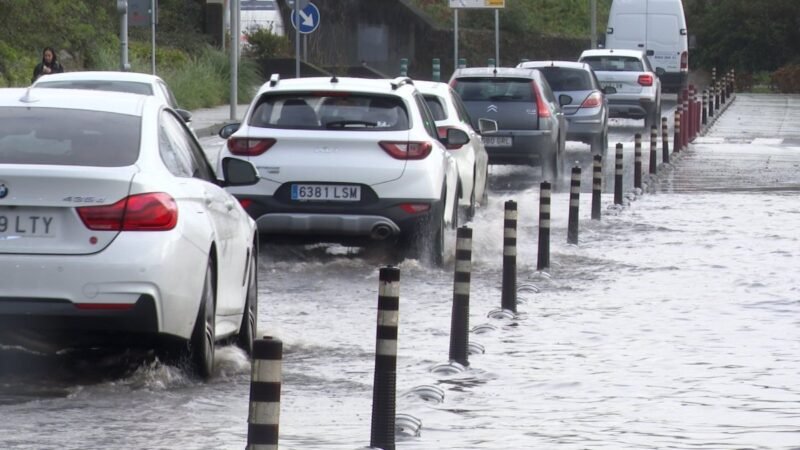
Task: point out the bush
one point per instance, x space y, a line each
787 79
263 45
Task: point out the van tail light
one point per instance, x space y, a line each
155 211
407 150
249 147
684 61
443 135
646 80
592 101
541 106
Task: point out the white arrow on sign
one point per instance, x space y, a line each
308 19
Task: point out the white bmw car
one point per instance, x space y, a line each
113 227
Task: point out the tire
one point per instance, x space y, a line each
247 330
203 340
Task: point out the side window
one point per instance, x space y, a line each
180 153
547 92
167 94
427 117
463 115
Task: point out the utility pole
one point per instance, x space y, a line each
234 26
594 23
122 9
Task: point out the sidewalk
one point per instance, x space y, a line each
208 121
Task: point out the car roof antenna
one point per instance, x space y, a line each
334 79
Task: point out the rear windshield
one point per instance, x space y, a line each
331 111
495 89
436 105
131 87
565 79
68 137
614 63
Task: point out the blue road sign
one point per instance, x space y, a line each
309 19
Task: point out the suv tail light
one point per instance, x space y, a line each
249 147
443 135
406 150
155 211
592 101
646 80
541 106
685 61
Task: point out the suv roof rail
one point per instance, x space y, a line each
399 81
273 80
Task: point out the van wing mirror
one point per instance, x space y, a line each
660 72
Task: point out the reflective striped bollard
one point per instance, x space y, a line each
385 382
704 117
509 295
265 394
574 205
543 261
637 161
597 185
653 150
678 140
459 324
618 176
664 141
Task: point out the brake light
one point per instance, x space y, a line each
155 211
407 150
685 61
541 106
592 101
443 135
245 202
249 147
645 80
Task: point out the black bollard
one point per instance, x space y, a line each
637 161
509 296
544 226
717 99
711 102
618 176
678 140
704 118
664 141
653 150
385 384
265 394
574 205
597 185
459 324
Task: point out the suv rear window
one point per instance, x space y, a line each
614 63
68 137
330 111
495 89
566 79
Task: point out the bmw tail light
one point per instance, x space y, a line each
155 211
645 80
684 61
541 106
592 101
407 150
249 147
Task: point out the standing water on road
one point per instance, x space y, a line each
675 323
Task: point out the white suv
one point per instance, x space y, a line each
343 159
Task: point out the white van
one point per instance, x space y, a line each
659 28
257 14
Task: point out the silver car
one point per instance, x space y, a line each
638 87
585 105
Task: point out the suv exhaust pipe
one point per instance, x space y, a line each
381 232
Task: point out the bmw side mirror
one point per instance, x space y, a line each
238 172
226 131
455 138
660 72
609 90
487 126
564 99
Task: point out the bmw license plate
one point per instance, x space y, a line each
326 192
497 141
26 225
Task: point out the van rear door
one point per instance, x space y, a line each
663 42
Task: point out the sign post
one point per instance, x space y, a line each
305 19
477 4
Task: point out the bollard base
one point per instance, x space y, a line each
448 368
502 314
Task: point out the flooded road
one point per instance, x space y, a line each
675 323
